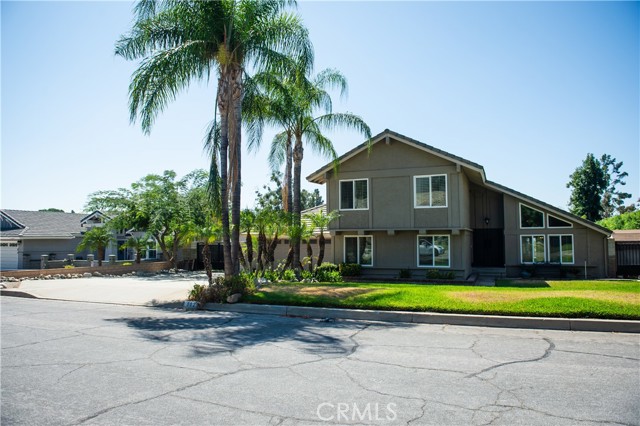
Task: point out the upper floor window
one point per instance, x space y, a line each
554 222
430 191
530 217
354 194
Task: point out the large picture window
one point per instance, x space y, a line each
433 251
561 249
354 194
359 249
532 248
530 217
430 191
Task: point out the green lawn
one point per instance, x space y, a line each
576 299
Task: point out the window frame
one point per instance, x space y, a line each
433 265
558 227
573 250
353 189
430 206
532 208
533 252
357 237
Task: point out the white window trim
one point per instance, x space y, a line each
430 206
532 208
344 249
558 227
544 253
354 194
573 251
433 266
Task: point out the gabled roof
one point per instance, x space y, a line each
319 175
95 215
43 225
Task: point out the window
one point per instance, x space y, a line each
561 248
430 191
532 248
354 194
359 250
151 250
554 222
530 217
433 251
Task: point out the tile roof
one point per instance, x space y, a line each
43 224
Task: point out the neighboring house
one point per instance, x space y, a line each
27 235
407 205
627 252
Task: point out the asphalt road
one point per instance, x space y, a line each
85 363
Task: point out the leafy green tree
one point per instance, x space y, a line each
628 220
310 199
594 188
54 210
166 208
97 238
182 41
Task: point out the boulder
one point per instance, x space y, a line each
234 298
87 275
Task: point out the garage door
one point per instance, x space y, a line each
8 256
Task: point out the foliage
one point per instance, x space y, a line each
97 238
350 269
405 273
221 288
594 193
138 244
54 210
197 293
127 264
272 197
69 266
327 275
436 274
575 299
170 210
630 220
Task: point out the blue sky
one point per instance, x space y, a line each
525 89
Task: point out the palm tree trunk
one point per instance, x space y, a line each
223 108
206 259
249 243
321 243
272 250
235 154
286 189
310 255
100 255
262 242
297 172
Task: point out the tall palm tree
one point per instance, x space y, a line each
302 107
97 238
180 41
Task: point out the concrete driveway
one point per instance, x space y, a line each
150 290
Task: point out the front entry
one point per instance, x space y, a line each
488 248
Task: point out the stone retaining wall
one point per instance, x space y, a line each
104 269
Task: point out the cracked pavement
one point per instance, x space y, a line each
73 363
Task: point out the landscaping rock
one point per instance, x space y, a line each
234 298
87 275
97 274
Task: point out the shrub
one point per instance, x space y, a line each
221 288
328 276
328 267
435 274
405 273
69 266
288 275
197 293
127 264
350 269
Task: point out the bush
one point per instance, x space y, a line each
221 288
435 274
405 273
350 269
328 276
69 266
288 275
197 293
328 267
127 264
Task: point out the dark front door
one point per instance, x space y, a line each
488 248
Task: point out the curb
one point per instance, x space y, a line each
546 323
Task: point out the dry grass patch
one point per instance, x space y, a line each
326 291
511 296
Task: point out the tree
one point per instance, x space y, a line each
138 244
182 41
594 193
310 199
167 209
628 220
54 210
321 222
97 238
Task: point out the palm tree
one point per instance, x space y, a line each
182 41
247 224
302 107
321 221
138 244
97 238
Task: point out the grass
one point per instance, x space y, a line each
575 299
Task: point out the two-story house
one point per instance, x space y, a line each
404 204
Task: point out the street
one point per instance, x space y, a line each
74 363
